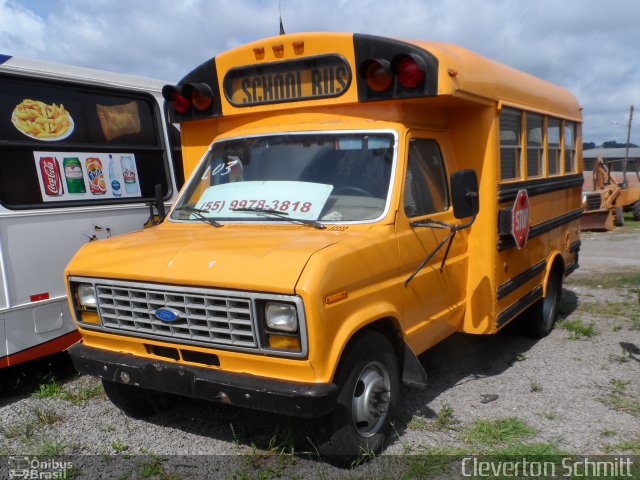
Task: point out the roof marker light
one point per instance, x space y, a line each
378 74
410 71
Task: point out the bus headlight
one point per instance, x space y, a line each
86 296
281 317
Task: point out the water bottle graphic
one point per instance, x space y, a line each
129 174
114 177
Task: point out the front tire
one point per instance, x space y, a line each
619 220
138 402
636 210
368 382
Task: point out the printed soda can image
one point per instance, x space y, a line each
73 175
51 178
95 174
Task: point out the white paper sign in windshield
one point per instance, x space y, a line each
303 200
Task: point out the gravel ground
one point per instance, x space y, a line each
579 395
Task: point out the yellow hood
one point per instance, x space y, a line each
259 258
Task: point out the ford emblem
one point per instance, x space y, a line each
167 314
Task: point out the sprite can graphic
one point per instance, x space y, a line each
73 175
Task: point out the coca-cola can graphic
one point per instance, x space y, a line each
51 178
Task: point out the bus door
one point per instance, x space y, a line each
79 162
433 292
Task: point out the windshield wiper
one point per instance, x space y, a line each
283 215
198 213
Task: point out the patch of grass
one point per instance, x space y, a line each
119 446
550 415
496 432
625 279
52 448
535 386
444 419
150 468
607 432
577 328
85 393
107 427
23 430
528 450
46 416
418 423
433 462
50 388
622 404
618 385
632 445
629 309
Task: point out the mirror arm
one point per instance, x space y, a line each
453 229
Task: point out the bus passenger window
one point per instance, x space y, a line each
425 184
569 147
510 146
535 147
553 146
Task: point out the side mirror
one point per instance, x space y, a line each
464 192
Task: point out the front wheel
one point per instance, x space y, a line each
636 210
138 402
619 220
368 379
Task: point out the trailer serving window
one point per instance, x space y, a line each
71 145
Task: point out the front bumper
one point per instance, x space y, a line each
307 400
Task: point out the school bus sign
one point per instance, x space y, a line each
319 77
520 219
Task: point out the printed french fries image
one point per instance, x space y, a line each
40 120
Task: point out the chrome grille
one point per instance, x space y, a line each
209 318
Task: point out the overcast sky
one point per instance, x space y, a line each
591 47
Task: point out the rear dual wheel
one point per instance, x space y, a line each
540 319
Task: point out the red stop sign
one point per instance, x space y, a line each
520 219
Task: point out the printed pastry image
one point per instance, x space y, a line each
118 120
42 121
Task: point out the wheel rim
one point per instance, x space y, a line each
371 398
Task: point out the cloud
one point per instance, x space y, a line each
587 46
21 30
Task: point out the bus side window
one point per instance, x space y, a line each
510 144
425 184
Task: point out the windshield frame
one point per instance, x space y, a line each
198 172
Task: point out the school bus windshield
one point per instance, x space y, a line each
332 177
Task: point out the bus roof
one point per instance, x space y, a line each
55 71
480 76
241 80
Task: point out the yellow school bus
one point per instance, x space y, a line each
353 200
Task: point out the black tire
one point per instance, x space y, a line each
138 402
619 220
636 210
539 321
368 382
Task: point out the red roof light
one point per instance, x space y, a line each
180 103
410 73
